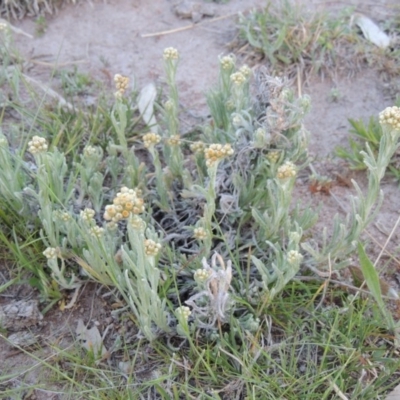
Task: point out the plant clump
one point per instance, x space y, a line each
194 232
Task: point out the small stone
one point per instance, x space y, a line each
195 11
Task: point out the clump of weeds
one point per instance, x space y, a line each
294 40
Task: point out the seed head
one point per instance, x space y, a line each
37 145
216 152
151 139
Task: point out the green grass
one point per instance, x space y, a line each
301 351
293 40
361 135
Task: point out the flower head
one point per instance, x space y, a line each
51 253
126 202
245 70
200 233
121 84
151 139
390 116
238 78
273 156
236 121
170 53
90 151
96 231
216 152
183 312
37 145
294 257
197 147
287 170
174 140
151 248
137 223
64 216
227 62
201 275
169 105
87 214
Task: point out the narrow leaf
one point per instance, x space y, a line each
370 276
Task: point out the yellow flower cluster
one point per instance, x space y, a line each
390 116
287 170
137 223
174 140
64 216
200 233
87 214
197 147
183 312
151 248
170 53
151 139
216 152
121 84
238 78
273 156
227 62
37 145
96 231
125 203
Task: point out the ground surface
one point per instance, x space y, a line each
106 37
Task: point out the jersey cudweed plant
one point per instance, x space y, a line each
202 233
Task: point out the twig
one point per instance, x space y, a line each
338 391
73 299
55 65
184 28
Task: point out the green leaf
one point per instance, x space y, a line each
370 275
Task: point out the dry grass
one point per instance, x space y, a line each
18 9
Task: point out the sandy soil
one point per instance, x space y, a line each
106 37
